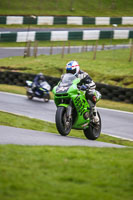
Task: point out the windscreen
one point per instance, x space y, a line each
45 85
67 79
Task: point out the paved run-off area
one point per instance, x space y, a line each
11 135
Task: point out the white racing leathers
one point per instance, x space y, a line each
92 95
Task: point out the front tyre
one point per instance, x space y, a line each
46 97
63 123
94 130
29 95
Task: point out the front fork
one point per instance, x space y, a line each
69 112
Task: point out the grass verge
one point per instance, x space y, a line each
42 172
8 119
56 26
12 89
73 8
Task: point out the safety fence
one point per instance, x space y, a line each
64 35
69 20
109 92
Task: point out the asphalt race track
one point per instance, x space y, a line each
19 51
117 123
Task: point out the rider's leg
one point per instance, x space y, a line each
95 115
92 99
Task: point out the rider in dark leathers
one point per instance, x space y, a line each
87 84
37 80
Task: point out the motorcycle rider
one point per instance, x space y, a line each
37 80
87 84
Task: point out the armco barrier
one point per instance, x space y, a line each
64 35
108 91
70 20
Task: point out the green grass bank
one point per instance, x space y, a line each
110 66
61 7
74 173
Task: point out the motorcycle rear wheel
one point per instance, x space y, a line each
94 130
62 124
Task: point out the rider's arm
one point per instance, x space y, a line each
36 80
88 82
91 85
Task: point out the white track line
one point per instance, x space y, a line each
123 138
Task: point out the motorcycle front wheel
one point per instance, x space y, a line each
94 130
46 97
29 95
63 124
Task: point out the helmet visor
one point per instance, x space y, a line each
72 71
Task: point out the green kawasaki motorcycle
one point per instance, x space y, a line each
73 110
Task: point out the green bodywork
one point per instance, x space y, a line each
78 98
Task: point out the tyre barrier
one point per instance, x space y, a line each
17 78
108 92
115 93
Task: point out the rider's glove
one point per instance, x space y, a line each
83 87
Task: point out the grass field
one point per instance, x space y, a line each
73 173
70 7
110 66
53 172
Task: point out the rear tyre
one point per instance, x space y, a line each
63 124
94 130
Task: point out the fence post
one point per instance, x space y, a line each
86 47
95 50
71 5
28 48
102 46
68 50
82 50
25 53
63 48
35 48
131 51
51 49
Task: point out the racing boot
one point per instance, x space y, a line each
95 115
